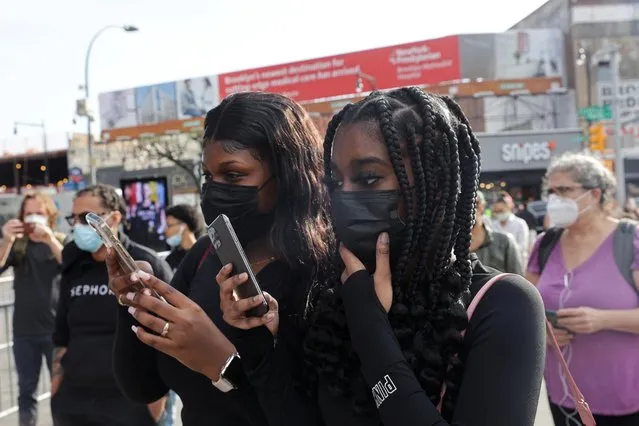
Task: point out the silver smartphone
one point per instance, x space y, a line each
109 239
229 250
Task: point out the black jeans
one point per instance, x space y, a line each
73 406
561 419
28 352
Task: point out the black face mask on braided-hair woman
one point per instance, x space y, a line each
405 163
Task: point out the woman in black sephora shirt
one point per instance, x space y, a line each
83 388
404 168
263 167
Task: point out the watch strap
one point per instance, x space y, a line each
223 383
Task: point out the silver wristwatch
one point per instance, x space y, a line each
224 384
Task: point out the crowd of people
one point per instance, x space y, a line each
381 264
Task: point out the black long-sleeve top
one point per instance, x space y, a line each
503 353
85 321
145 374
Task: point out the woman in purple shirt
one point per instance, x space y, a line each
597 309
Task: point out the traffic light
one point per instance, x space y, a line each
597 137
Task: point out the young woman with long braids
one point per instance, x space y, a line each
404 166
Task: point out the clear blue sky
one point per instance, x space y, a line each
43 44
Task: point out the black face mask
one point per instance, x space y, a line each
240 204
359 217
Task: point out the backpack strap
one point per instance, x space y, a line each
624 249
580 402
549 240
206 253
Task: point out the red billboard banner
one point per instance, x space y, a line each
418 63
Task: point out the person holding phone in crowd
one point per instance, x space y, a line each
262 163
384 335
593 297
83 387
33 248
184 225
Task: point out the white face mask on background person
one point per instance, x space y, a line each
502 217
37 218
564 212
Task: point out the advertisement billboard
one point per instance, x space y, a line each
523 54
146 201
156 103
419 63
196 96
118 109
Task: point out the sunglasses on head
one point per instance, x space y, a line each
80 218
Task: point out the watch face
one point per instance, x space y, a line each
235 373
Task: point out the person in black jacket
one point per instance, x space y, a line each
33 249
262 164
385 336
83 387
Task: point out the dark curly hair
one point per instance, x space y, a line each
109 197
190 216
430 286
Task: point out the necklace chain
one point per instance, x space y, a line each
260 262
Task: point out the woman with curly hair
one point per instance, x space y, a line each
403 171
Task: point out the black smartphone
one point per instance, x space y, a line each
553 319
29 228
229 250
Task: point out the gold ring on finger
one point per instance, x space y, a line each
165 330
120 302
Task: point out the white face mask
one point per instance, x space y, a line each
502 217
37 218
564 212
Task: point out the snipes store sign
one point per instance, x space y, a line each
508 151
527 152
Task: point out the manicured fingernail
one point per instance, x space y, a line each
134 329
146 291
384 238
144 275
130 296
131 310
134 277
256 298
227 267
269 316
243 276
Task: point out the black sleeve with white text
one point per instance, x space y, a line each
501 381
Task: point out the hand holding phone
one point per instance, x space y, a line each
29 228
552 318
230 251
562 334
124 259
